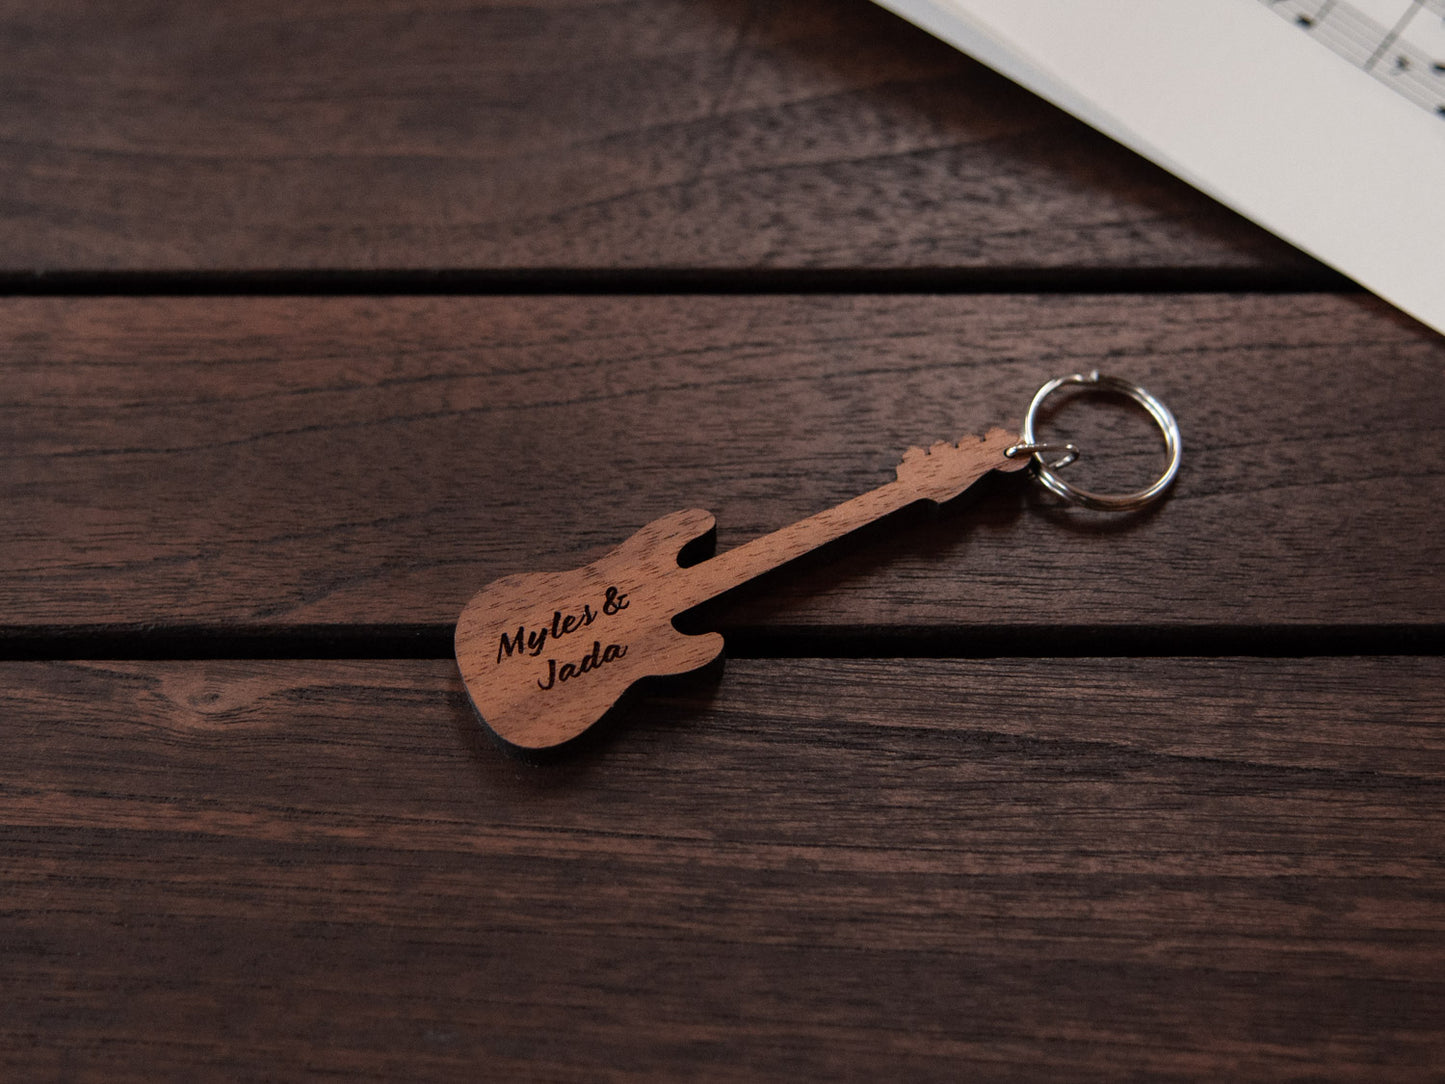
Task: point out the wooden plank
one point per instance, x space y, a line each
649 134
935 869
265 462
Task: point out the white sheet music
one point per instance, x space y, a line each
1323 120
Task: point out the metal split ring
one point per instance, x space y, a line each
1044 471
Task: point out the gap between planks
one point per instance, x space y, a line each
282 282
431 641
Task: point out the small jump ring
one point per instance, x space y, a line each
1071 452
1124 502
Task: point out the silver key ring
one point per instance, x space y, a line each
1045 473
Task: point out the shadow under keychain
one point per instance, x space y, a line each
545 655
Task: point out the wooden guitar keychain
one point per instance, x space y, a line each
545 654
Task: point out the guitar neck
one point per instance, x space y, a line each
737 566
937 473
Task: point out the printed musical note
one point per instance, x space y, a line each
1399 42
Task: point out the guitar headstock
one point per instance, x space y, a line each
942 471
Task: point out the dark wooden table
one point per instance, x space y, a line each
318 316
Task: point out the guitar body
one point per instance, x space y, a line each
545 655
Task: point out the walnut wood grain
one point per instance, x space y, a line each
267 462
427 134
1012 869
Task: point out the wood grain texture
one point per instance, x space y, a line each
253 463
428 134
935 869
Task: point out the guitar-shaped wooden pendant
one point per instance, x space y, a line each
544 655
